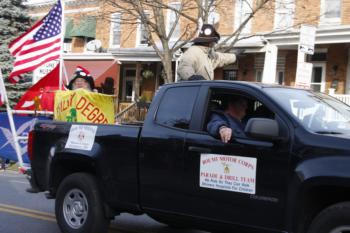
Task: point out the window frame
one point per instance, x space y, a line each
192 112
111 32
258 72
281 13
239 15
278 72
67 46
207 91
173 37
139 31
329 21
322 84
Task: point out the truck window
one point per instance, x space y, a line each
176 107
218 103
218 111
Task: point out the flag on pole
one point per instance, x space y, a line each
39 45
2 90
41 96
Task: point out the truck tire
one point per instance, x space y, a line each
79 207
334 219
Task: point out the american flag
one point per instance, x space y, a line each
39 45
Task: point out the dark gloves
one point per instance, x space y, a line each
196 77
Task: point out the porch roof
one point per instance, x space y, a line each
252 44
324 35
135 54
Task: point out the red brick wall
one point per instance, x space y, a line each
337 56
290 68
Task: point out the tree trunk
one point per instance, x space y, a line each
168 69
137 81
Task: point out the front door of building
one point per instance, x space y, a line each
318 82
129 76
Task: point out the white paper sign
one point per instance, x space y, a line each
229 173
304 72
81 137
307 39
43 70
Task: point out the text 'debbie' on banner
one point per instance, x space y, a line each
84 106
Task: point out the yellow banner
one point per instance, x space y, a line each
84 106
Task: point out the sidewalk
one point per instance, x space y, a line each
12 167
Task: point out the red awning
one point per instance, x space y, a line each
100 70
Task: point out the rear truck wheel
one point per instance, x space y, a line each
79 207
334 219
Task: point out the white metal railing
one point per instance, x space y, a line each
343 98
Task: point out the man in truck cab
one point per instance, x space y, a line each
223 124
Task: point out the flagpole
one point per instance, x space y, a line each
12 123
63 29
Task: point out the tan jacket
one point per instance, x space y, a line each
197 61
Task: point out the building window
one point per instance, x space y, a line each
230 75
172 17
280 77
258 75
243 9
128 91
317 57
284 13
142 32
67 45
330 12
316 78
115 34
210 6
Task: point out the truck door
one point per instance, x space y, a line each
243 182
162 148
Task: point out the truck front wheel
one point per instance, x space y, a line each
334 219
78 207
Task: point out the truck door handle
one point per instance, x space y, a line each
199 149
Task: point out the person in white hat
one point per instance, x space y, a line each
200 60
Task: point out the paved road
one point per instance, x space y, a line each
22 212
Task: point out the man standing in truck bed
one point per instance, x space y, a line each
200 60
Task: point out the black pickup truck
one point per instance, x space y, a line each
288 172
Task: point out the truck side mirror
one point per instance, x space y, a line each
262 128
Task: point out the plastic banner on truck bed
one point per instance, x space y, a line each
84 106
23 125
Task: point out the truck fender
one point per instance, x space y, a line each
64 162
309 176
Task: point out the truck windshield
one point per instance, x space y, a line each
317 112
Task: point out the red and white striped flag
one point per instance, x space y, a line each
39 45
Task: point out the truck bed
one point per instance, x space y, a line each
113 156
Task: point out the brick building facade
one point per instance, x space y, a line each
271 37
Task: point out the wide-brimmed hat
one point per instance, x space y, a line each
207 34
83 73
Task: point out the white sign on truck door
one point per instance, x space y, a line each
228 172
